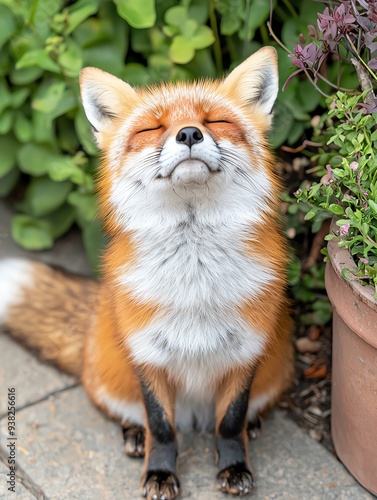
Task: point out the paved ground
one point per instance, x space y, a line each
66 449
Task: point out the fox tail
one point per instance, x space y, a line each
47 309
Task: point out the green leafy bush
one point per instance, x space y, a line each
348 189
46 144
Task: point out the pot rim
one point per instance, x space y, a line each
341 259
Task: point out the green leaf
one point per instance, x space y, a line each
71 59
8 24
8 148
136 74
41 15
39 58
85 206
44 196
310 214
160 65
137 14
296 109
199 11
176 16
181 50
5 96
94 243
371 203
61 220
106 57
308 95
79 11
230 24
341 222
64 168
140 41
25 76
23 129
34 159
189 28
374 136
170 31
6 121
8 182
18 97
336 209
202 64
32 233
44 132
290 33
282 122
203 38
231 16
85 133
259 12
179 74
48 96
68 140
67 103
158 41
346 274
295 132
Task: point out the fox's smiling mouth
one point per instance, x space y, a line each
190 172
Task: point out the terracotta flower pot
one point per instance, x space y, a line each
354 372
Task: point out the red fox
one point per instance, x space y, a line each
189 325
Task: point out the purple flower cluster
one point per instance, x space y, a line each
352 23
335 24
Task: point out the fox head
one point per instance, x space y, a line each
181 146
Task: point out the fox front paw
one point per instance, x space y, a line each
236 480
134 441
161 485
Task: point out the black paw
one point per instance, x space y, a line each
254 428
161 485
134 439
236 480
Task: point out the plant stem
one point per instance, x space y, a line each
216 45
371 242
279 42
314 84
360 59
338 87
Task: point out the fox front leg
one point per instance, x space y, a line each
234 476
160 480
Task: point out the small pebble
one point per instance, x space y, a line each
304 345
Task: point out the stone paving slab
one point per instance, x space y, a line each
32 379
73 452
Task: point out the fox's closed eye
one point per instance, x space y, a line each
148 129
217 121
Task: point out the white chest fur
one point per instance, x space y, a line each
199 274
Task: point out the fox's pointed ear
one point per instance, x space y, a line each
104 98
256 80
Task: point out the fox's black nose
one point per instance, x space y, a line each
189 136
